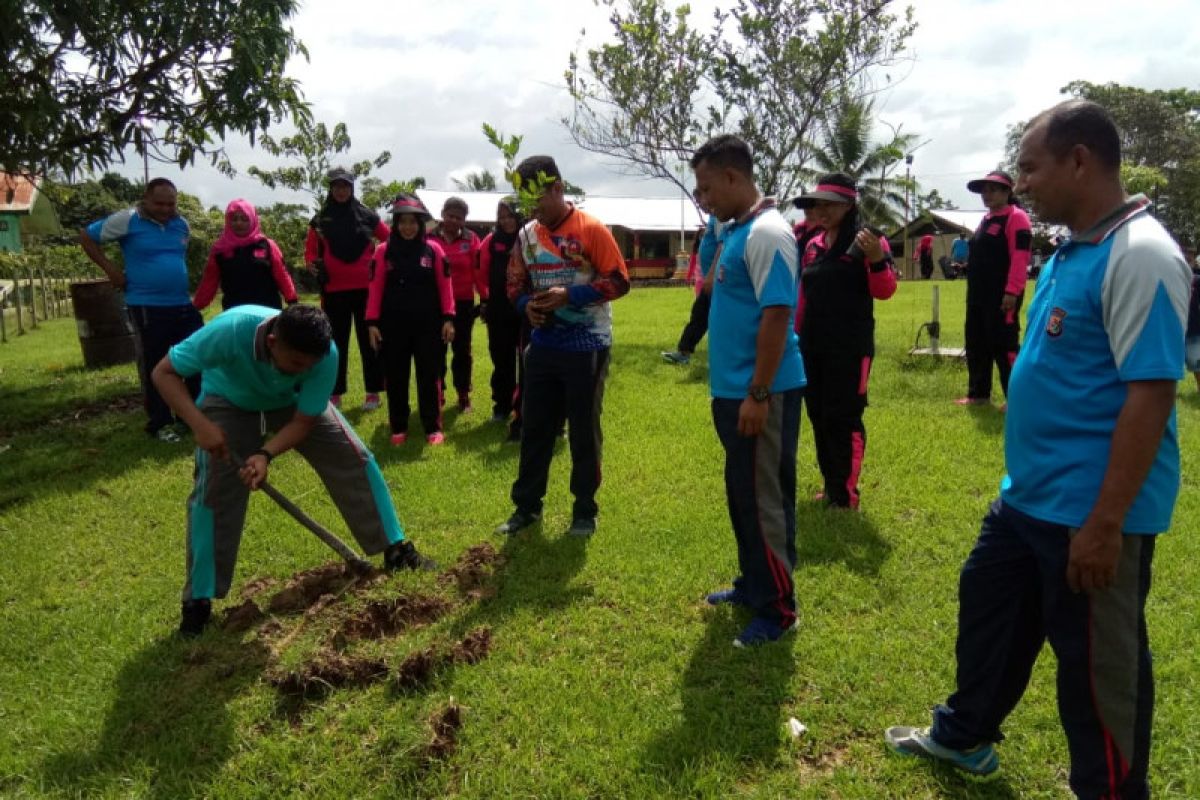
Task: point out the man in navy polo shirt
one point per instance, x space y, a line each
153 240
1093 472
757 379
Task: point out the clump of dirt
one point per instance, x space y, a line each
258 586
306 588
329 670
382 618
420 668
445 724
474 647
472 570
242 617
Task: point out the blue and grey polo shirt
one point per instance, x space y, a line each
1110 308
155 256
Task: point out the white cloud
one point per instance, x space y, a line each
418 79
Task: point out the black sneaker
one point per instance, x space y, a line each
196 614
582 526
517 522
404 555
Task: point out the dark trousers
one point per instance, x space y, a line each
416 344
926 265
156 330
342 308
461 364
992 337
1013 596
561 385
760 488
697 324
837 397
504 346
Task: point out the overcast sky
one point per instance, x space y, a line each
418 79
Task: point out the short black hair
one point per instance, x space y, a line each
455 202
726 151
1081 122
304 328
157 182
530 168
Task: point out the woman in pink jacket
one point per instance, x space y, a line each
246 266
338 251
410 314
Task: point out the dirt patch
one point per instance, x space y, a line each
257 587
421 667
445 724
382 618
470 573
329 670
241 618
306 588
474 647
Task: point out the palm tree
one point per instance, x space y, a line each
846 133
483 181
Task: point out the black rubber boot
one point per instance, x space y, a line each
403 555
196 614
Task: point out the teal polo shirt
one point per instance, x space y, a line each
231 356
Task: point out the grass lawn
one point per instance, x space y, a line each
606 674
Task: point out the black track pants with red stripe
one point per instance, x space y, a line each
760 486
1013 597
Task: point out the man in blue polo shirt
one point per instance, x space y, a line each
267 370
757 379
1093 473
153 240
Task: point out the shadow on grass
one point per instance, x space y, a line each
830 536
731 701
646 360
168 724
71 456
988 419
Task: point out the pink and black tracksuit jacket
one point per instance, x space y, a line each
998 264
836 321
253 274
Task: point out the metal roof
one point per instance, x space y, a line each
17 194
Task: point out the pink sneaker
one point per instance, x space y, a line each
399 439
335 400
371 402
436 438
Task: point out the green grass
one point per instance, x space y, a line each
607 678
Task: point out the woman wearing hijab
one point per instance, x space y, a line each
246 266
506 328
338 250
410 314
844 269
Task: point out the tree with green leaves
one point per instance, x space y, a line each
482 181
765 71
83 81
1160 148
312 150
376 193
847 147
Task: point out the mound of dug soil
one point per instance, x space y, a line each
420 668
305 588
329 670
242 617
381 618
472 571
445 724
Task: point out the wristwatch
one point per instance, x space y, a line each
759 393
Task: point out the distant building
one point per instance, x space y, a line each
23 209
945 226
647 229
